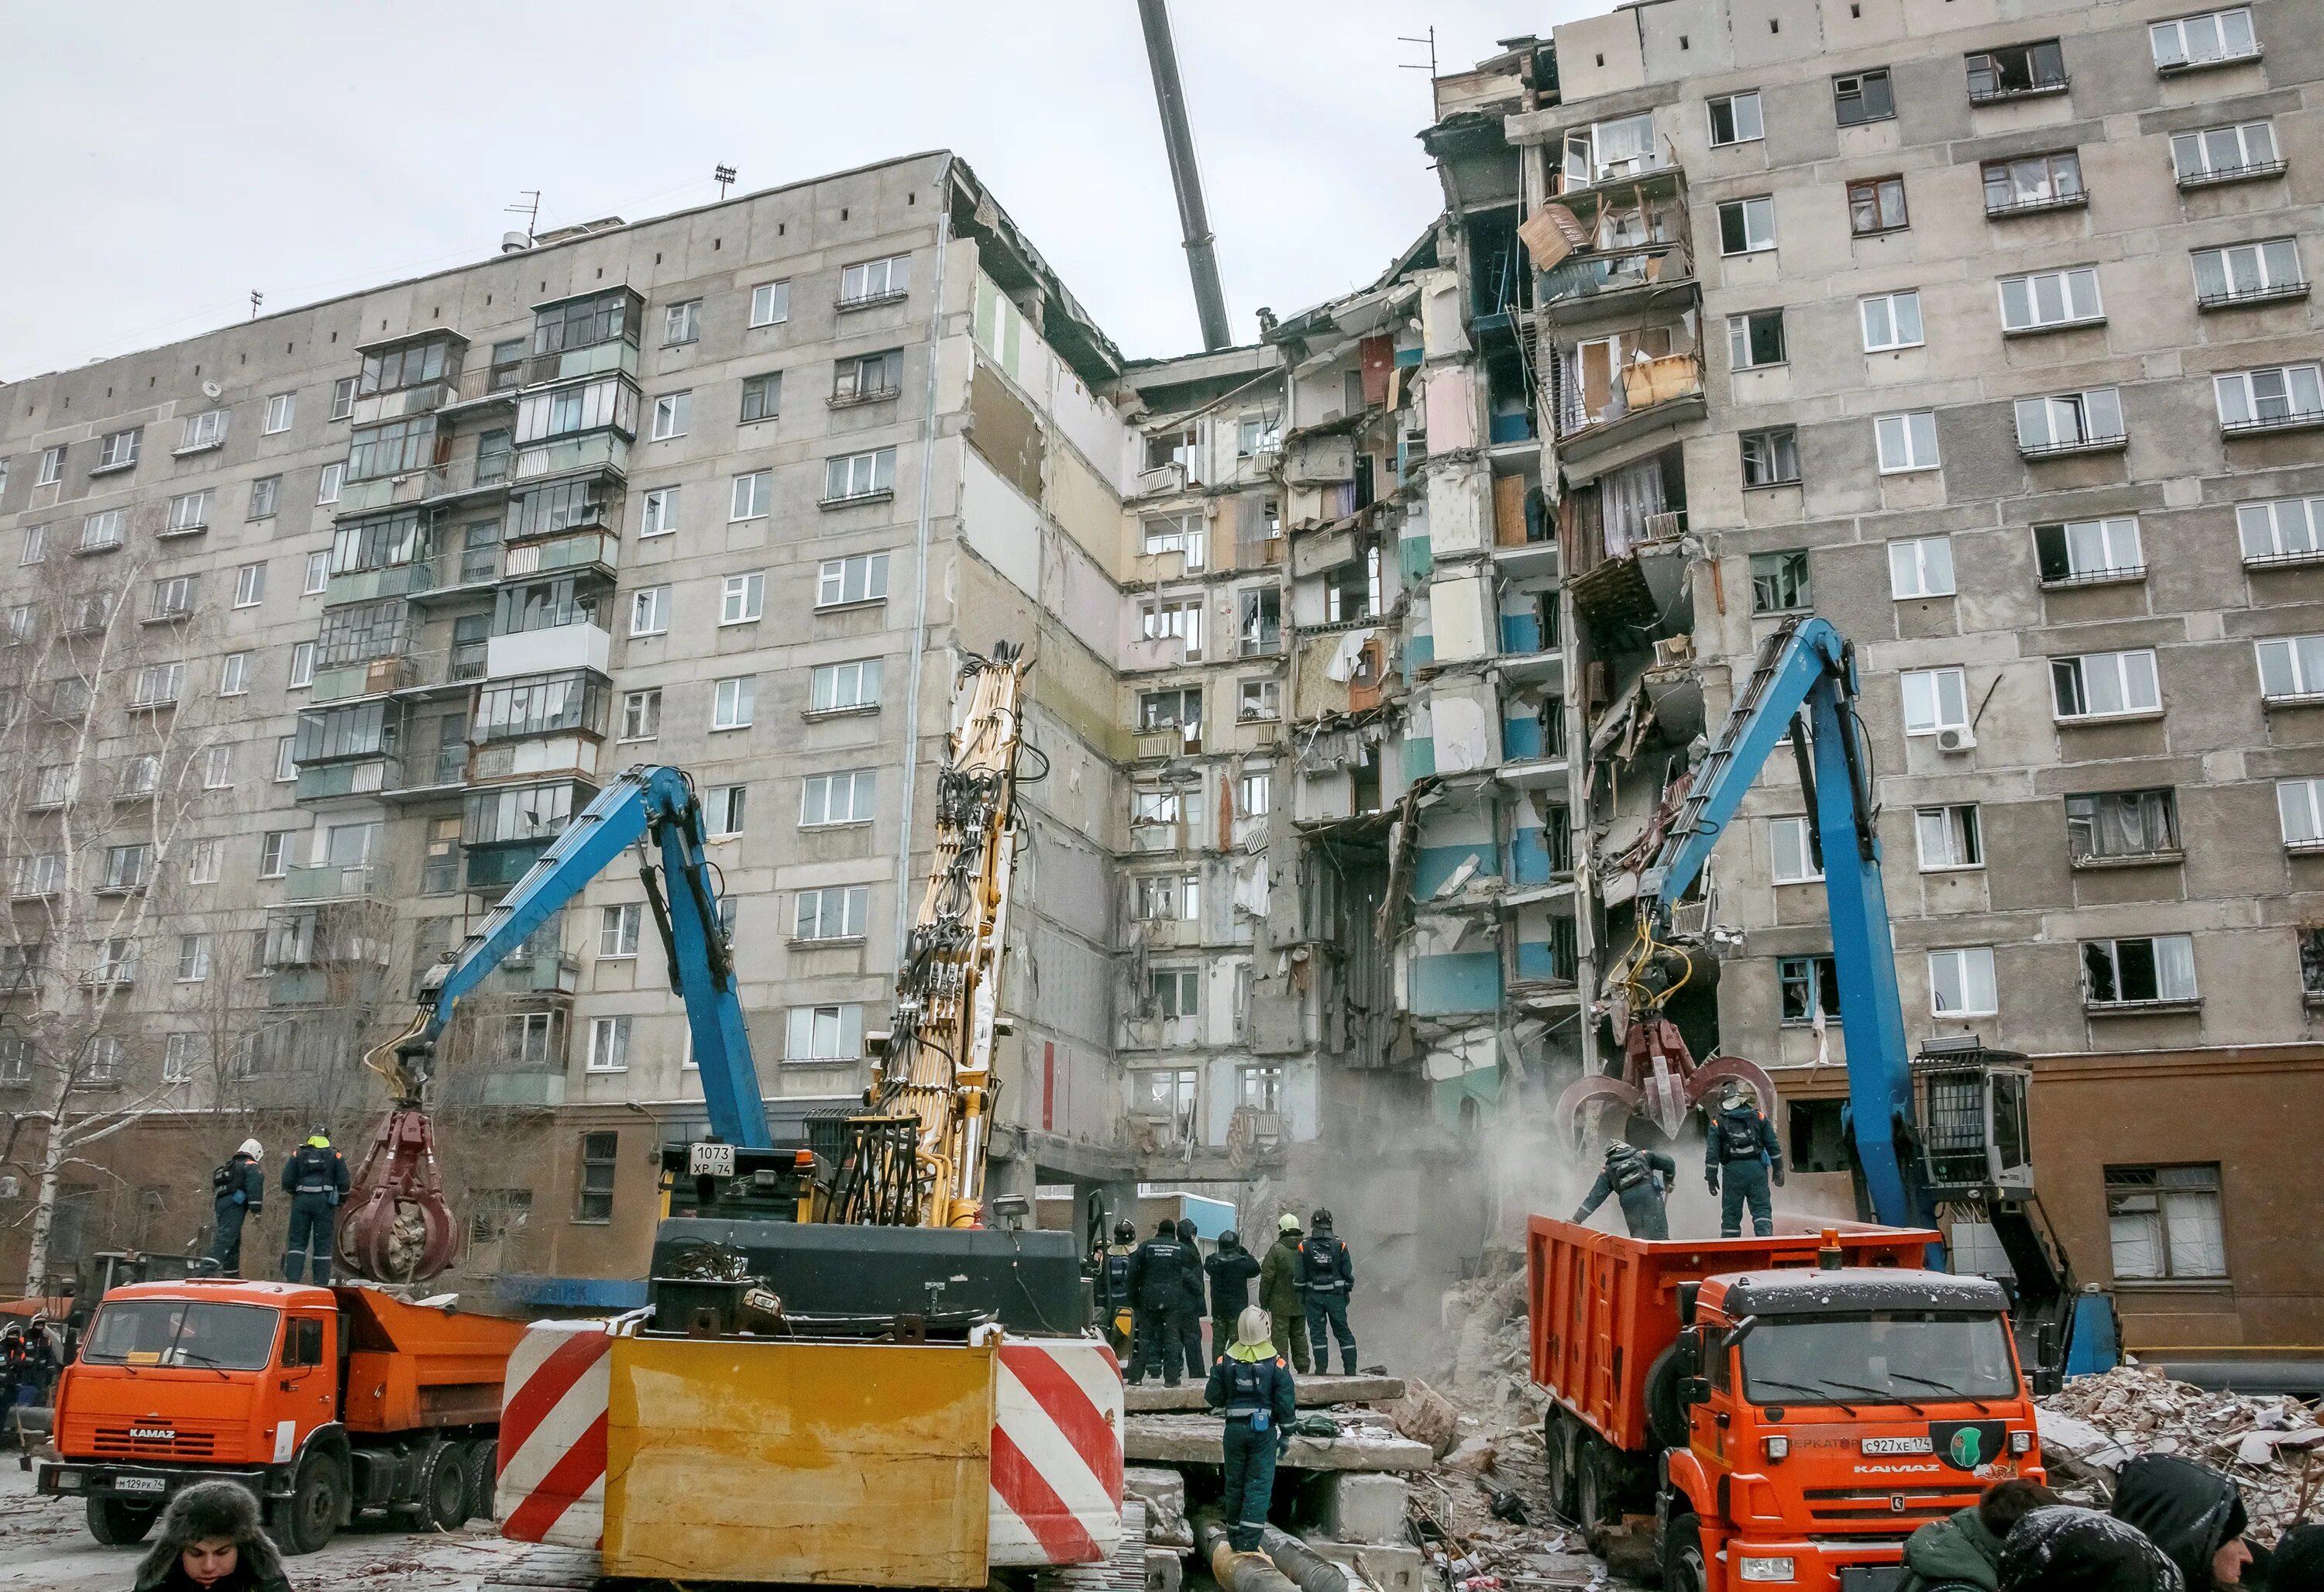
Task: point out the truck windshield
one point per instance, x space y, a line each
1905 1355
181 1332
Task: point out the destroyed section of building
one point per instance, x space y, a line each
1816 309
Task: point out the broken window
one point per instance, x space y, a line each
1771 457
1169 710
2311 963
1182 533
1949 838
1755 339
1169 898
1747 226
1178 992
1877 204
1735 119
1261 702
1261 433
1353 589
1863 96
2122 824
2163 1221
1261 620
1807 984
1260 1087
1610 149
2034 182
1180 617
1176 445
2019 69
1156 806
1779 581
1167 1093
2123 972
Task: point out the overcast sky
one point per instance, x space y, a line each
165 159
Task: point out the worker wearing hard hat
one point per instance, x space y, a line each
1639 1179
1252 1387
316 1179
237 1193
1739 1154
1280 1294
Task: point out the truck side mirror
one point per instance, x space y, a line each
1694 1390
1687 1353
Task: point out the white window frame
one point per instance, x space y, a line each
52 466
2289 529
2168 40
250 586
2300 814
2182 961
318 575
641 714
281 412
1259 702
328 485
286 764
302 664
2133 676
868 281
681 322
1930 686
2109 541
850 688
265 497
2244 388
733 700
850 478
831 580
2169 1230
118 450
1738 340
672 413
609 1044
2266 260
1156 807
1734 102
1167 897
193 958
274 847
2079 302
36 544
742 598
1973 992
725 808
2198 142
849 905
649 611
1890 305
2298 662
661 515
1907 442
205 862
1255 793
2066 422
197 433
104 530
619 926
343 397
1765 210
820 1035
754 495
771 303
180 1054
821 798
1954 828
1914 573
217 768
1791 859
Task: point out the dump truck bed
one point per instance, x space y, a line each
1605 1307
412 1366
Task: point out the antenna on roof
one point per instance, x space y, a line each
723 174
531 212
256 298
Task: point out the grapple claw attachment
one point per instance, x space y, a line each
397 1227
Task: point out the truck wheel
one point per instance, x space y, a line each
442 1492
483 1477
1558 1433
1684 1569
308 1519
1597 1483
117 1524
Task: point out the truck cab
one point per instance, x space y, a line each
1830 1414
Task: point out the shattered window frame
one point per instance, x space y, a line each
1755 339
1800 983
1948 838
1771 457
1747 226
1780 582
1875 205
1737 120
1858 99
2139 969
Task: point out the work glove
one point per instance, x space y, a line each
1712 1179
1779 1177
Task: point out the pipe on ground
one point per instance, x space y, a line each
1238 1572
1308 1570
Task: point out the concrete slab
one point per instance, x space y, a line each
1175 1438
1364 1507
1314 1392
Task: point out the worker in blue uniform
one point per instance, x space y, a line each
1158 1292
1327 1275
1741 1153
1251 1386
1639 1179
315 1176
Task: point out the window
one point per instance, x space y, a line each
286 759
722 809
1169 897
318 574
1745 226
180 1054
875 280
682 323
2098 684
2286 528
90 612
1877 204
1934 700
660 518
217 768
2163 1222
1862 97
1170 710
609 1044
1610 149
1166 1093
840 581
103 532
671 412
762 396
118 451
1178 992
202 862
275 853
1755 339
1258 434
824 1033
2300 808
1961 983
2278 395
1793 852
173 597
250 586
2087 551
124 866
2290 667
1779 582
1156 806
105 1060
1255 794
770 304
52 466
837 798
1735 119
596 1195
204 430
264 491
1890 320
641 714
844 687
53 785
741 599
36 544
327 486
1178 617
1261 702
280 409
343 397
753 494
193 958
1906 442
2122 824
731 702
1806 986
139 776
302 664
1183 446
157 685
867 376
23 620
38 873
859 476
2268 269
2203 40
2034 182
837 913
617 929
2126 972
2069 422
2018 69
1948 838
2222 154
649 611
1184 533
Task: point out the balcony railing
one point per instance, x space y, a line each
2234 299
2034 204
332 780
619 354
602 449
371 677
2215 175
600 549
1644 385
326 882
463 478
1578 278
2112 443
2289 420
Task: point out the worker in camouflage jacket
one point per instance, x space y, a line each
1639 1179
1280 1294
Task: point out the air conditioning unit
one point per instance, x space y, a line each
1953 742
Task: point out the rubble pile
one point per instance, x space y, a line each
2272 1447
1486 1516
1490 1373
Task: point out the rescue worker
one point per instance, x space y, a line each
14 1361
1328 1274
1190 1324
1640 1178
1963 1550
1158 1291
237 1191
1279 1293
2190 1512
1113 1298
316 1179
1740 1153
1253 1388
1231 1270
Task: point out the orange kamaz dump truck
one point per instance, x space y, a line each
1789 1408
322 1401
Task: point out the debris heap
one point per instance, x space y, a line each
2272 1447
1489 1372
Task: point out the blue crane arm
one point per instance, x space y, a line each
1807 666
656 805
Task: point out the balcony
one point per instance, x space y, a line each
620 355
1584 285
2113 443
528 972
2219 176
497 867
597 450
375 677
569 756
2234 299
2036 204
450 672
333 781
327 883
486 474
548 651
2289 419
1648 394
597 551
374 409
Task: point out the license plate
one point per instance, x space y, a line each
1871 1578
139 1484
710 1160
